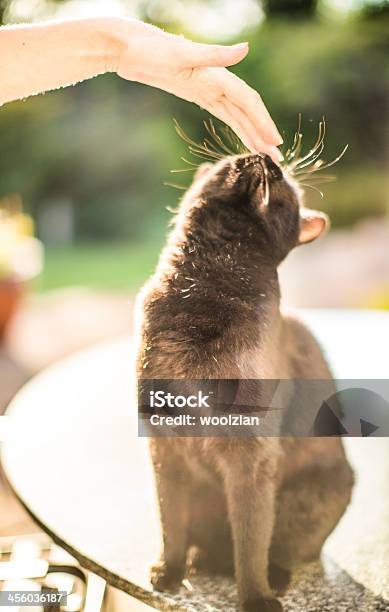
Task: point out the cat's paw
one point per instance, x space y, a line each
279 579
262 605
164 578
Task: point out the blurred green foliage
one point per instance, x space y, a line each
116 265
108 145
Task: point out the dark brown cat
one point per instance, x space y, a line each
258 506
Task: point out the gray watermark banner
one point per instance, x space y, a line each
258 407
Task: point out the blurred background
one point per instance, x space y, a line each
83 200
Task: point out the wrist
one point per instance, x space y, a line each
107 41
128 37
118 36
104 39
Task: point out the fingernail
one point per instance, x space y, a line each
241 46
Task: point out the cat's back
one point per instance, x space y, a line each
306 359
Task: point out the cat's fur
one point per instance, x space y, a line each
255 505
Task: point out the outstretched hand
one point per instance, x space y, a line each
197 73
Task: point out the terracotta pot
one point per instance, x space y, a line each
10 294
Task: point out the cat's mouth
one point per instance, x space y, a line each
262 172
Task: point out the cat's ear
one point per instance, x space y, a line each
312 224
201 171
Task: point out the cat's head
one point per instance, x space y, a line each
256 195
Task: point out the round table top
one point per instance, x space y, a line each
75 461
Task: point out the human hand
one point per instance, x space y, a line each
196 72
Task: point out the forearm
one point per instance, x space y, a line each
40 57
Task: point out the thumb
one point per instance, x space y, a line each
197 54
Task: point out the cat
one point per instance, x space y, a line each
256 506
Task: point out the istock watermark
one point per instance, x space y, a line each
160 399
257 407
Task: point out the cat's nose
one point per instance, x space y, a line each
274 170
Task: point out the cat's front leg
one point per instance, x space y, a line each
173 495
249 474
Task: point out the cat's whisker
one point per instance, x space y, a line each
297 136
309 162
314 188
324 166
320 165
203 156
208 149
209 146
175 185
210 127
312 168
303 169
183 134
319 144
286 155
296 149
199 147
175 171
187 161
204 147
203 153
316 179
235 141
